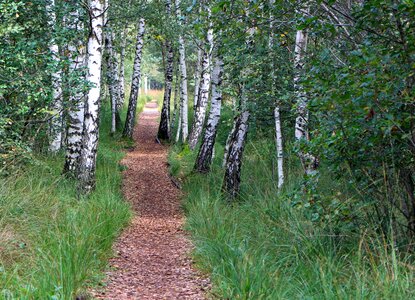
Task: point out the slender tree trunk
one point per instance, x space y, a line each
184 103
279 147
232 180
145 85
278 132
236 140
113 80
308 161
164 128
197 76
198 70
204 158
77 59
87 162
176 101
200 111
122 68
56 124
135 82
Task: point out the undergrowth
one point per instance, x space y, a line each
263 247
53 244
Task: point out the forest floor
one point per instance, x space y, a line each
152 255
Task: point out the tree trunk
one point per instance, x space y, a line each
135 82
176 103
113 80
236 140
204 158
308 161
200 111
122 68
278 132
87 161
198 72
232 180
183 85
77 59
164 128
56 123
279 147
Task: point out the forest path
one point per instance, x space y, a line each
152 259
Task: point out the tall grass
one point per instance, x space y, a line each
263 248
54 245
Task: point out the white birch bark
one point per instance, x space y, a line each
277 119
164 127
184 127
135 82
200 110
198 72
122 68
112 79
176 104
232 179
56 124
237 138
87 162
145 85
77 59
205 155
279 147
308 161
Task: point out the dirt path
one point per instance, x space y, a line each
152 253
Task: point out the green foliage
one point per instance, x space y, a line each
264 248
53 244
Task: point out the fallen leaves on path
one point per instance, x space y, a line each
152 260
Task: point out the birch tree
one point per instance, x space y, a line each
122 67
87 162
183 85
236 140
112 79
277 119
76 49
164 127
56 123
205 155
198 70
135 82
308 161
201 106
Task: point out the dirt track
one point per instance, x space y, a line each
152 259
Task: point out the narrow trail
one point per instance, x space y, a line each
152 259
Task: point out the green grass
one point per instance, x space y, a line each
52 244
263 248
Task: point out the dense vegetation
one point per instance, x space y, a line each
292 125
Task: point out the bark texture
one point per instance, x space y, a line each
164 127
56 123
308 161
277 118
184 127
113 80
232 179
205 155
122 68
77 57
87 162
135 82
200 110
